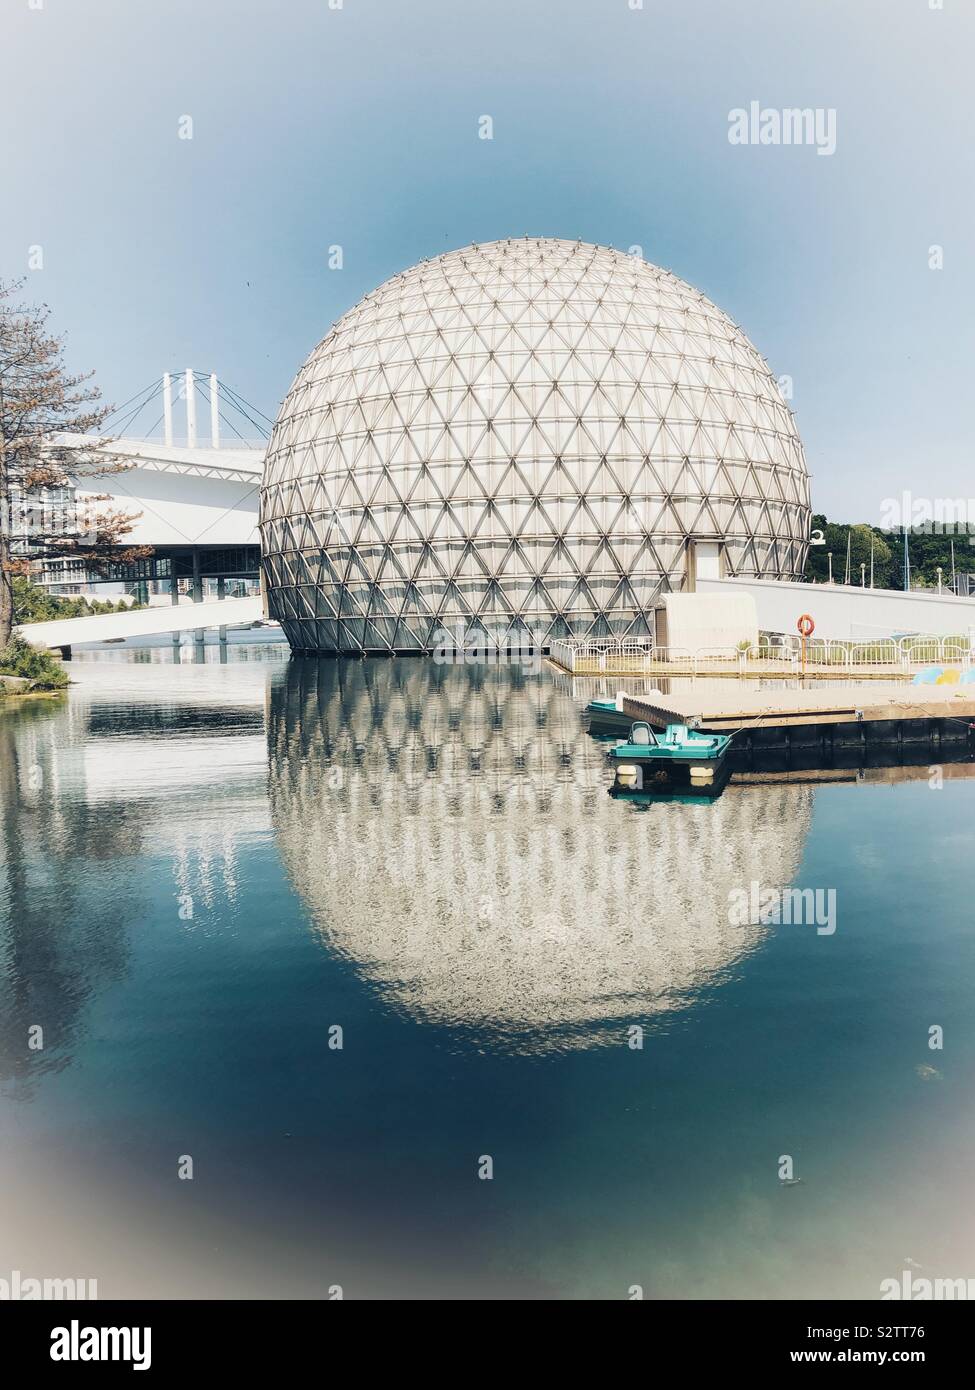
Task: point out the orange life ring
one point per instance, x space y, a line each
806 625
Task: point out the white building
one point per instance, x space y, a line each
195 504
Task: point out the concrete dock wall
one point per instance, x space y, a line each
847 611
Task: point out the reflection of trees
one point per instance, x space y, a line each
450 830
60 938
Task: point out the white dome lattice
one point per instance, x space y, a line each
523 435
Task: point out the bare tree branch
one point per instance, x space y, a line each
40 403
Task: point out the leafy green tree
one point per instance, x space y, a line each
861 538
950 550
35 604
19 658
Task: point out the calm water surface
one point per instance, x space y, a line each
209 869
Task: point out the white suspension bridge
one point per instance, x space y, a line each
193 501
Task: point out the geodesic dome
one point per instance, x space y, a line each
529 435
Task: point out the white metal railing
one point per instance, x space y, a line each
851 655
679 658
782 654
929 651
717 655
564 653
904 653
636 656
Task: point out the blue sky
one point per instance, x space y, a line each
357 126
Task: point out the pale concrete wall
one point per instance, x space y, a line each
701 620
847 611
180 509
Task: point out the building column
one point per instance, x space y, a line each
190 389
198 634
167 409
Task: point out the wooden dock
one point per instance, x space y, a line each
810 718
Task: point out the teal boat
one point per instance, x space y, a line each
678 755
606 717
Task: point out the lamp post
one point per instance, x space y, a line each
940 572
863 574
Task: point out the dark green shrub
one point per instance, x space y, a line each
19 658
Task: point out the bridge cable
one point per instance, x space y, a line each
133 415
243 399
243 406
117 410
231 396
232 426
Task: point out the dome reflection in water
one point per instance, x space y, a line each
449 830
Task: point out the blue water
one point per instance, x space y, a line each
208 868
